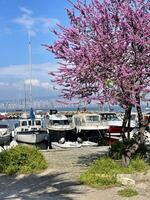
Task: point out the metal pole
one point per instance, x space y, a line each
30 65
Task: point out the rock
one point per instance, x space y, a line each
13 143
1 149
125 180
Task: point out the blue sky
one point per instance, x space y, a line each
17 18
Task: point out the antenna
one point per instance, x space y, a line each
30 65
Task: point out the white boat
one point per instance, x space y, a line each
114 122
65 145
89 126
29 130
88 122
59 127
4 134
89 144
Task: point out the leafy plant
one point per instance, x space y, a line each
117 149
127 192
21 159
103 172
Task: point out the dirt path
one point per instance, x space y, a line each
61 180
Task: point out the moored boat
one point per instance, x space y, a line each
65 145
89 126
29 130
4 134
59 127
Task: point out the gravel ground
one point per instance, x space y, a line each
61 180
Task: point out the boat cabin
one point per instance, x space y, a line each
109 116
57 119
29 124
85 119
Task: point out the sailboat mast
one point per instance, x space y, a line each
25 98
30 65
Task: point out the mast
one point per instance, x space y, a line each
25 98
30 67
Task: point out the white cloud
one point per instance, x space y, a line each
3 84
26 11
38 83
34 24
20 71
33 82
15 79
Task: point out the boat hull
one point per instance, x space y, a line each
66 145
31 137
4 139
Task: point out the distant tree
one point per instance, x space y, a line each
104 55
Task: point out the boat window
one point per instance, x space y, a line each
24 123
133 117
38 122
66 122
110 117
77 121
3 126
92 118
29 122
50 122
60 122
113 118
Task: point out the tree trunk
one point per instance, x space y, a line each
130 150
140 120
126 122
125 127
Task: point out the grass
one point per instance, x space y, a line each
21 159
103 172
127 192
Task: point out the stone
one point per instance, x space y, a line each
125 180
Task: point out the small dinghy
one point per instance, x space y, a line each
88 144
66 145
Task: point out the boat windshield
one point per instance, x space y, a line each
92 118
60 122
113 118
3 126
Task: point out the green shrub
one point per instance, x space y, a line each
118 147
116 150
127 192
21 159
103 172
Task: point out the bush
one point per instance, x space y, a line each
117 149
103 172
21 159
127 192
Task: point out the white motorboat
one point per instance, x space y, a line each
29 130
5 134
88 122
59 127
89 126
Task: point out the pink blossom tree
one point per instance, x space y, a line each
104 56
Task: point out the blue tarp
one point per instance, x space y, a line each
32 115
